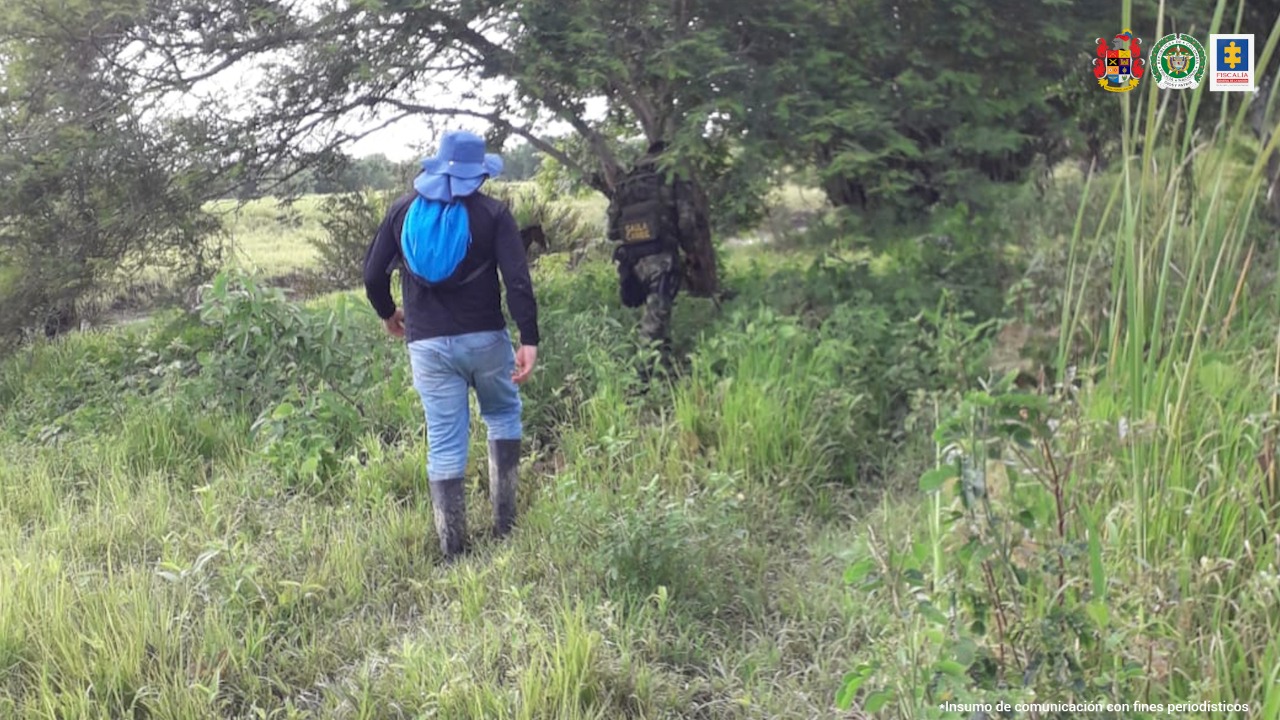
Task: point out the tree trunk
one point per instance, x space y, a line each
841 191
701 271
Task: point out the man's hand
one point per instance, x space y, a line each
395 323
526 358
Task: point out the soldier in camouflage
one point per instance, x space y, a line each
645 220
654 271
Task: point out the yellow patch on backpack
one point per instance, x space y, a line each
638 231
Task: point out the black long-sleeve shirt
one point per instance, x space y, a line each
452 308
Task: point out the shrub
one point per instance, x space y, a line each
350 222
296 370
562 224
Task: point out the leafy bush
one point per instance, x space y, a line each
84 200
649 545
350 223
297 371
1012 597
561 223
554 179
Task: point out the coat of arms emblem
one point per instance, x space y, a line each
1118 66
1179 62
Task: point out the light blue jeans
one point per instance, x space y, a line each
444 370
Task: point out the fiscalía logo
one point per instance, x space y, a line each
1118 66
1179 62
1231 66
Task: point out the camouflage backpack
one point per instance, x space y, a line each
644 220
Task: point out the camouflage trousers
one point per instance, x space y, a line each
658 272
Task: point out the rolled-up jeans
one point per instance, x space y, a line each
444 370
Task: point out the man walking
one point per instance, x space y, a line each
645 220
450 241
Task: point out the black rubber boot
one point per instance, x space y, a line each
504 470
449 504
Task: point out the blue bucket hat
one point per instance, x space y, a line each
458 169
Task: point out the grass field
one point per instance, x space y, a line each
184 563
269 237
273 238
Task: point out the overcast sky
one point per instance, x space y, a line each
409 139
399 142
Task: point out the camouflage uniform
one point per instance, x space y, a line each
655 323
651 270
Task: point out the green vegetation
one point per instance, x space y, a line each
277 238
270 236
215 514
223 514
1111 538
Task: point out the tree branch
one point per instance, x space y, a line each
496 119
501 61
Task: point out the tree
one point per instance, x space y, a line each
347 175
666 71
902 105
88 190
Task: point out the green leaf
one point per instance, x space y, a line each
283 410
858 571
951 667
310 466
931 613
914 577
1098 613
877 700
966 651
921 551
933 480
1097 572
852 681
1027 520
1020 574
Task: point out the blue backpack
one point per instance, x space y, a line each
434 240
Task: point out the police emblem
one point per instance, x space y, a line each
1118 66
1180 62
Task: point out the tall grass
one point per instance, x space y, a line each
1117 538
1189 505
224 514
